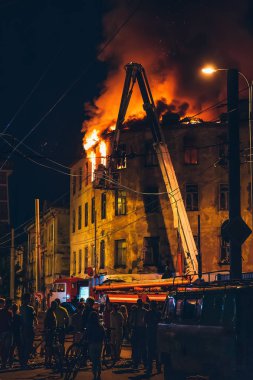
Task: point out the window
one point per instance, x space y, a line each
79 217
93 210
223 152
120 253
102 254
190 151
224 252
188 310
73 221
86 214
74 184
80 261
103 205
151 250
223 197
86 173
80 178
192 198
121 157
190 155
150 155
169 309
86 258
151 200
74 262
120 202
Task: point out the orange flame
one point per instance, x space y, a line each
102 149
91 139
92 157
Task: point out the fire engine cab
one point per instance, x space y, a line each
69 289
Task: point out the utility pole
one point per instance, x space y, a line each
234 169
12 266
95 237
37 245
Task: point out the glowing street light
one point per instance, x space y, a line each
209 70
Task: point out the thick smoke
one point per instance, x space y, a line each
173 40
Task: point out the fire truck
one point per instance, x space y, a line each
68 289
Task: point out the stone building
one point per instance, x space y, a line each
54 228
127 227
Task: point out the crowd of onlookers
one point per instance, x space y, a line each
16 330
135 325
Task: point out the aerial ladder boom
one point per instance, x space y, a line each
135 72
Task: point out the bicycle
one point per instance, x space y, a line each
54 350
76 356
108 352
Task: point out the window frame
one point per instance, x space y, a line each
86 214
79 224
80 261
120 202
73 221
80 178
103 205
191 206
74 262
154 246
120 253
86 257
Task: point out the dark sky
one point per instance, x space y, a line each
49 51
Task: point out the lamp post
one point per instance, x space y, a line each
209 70
235 220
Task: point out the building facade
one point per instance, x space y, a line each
54 248
128 227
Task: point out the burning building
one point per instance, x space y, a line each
124 223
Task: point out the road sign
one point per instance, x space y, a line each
235 230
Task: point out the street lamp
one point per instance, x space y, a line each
209 70
236 229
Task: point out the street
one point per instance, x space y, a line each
41 374
122 370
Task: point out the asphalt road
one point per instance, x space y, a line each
122 371
115 374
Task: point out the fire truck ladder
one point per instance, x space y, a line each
135 72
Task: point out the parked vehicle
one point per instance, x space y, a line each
208 331
69 288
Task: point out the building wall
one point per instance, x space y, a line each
54 247
137 225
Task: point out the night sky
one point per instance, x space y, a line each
58 56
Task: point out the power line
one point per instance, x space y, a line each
114 35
